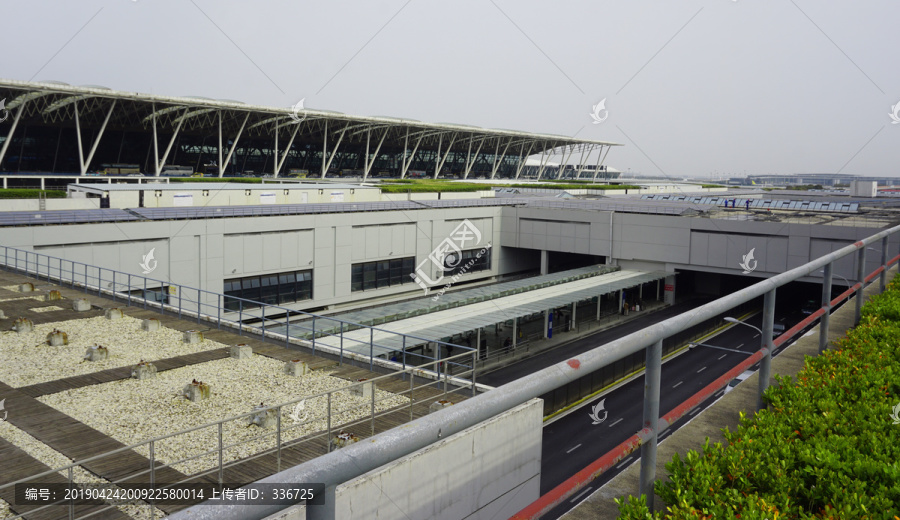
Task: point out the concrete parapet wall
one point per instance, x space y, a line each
52 204
489 471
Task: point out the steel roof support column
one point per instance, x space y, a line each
565 162
522 159
334 153
543 165
583 161
97 139
78 136
324 148
156 166
233 144
474 159
496 162
446 154
368 165
287 150
12 129
599 164
407 163
221 169
437 156
162 162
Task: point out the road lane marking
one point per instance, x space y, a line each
676 384
573 449
701 370
695 411
617 422
624 462
741 345
723 355
579 495
756 336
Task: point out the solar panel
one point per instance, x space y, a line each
36 218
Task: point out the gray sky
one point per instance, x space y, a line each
691 87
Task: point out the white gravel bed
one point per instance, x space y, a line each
38 298
55 459
133 411
28 360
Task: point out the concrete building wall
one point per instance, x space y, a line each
486 472
188 194
204 253
52 204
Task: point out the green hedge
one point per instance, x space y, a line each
24 193
427 185
826 446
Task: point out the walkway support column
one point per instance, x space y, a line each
860 278
651 420
826 303
545 261
546 324
765 365
515 332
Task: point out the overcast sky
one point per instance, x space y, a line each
692 88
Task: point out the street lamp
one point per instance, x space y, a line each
764 365
729 319
839 276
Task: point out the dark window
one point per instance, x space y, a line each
272 289
470 262
381 274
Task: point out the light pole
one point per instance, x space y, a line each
765 365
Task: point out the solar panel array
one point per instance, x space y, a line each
84 216
631 206
798 205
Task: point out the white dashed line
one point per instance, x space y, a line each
701 370
579 495
624 462
573 449
741 345
756 336
617 422
695 411
723 355
676 384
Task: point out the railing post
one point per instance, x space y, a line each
199 295
221 466
314 336
219 303
860 278
371 348
328 427
404 351
651 420
373 407
287 329
71 502
826 303
180 296
152 464
263 308
765 365
474 360
145 292
278 440
114 286
412 383
884 262
128 300
241 317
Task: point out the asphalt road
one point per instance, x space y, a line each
573 442
532 364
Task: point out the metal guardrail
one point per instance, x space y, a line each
355 460
323 425
249 316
